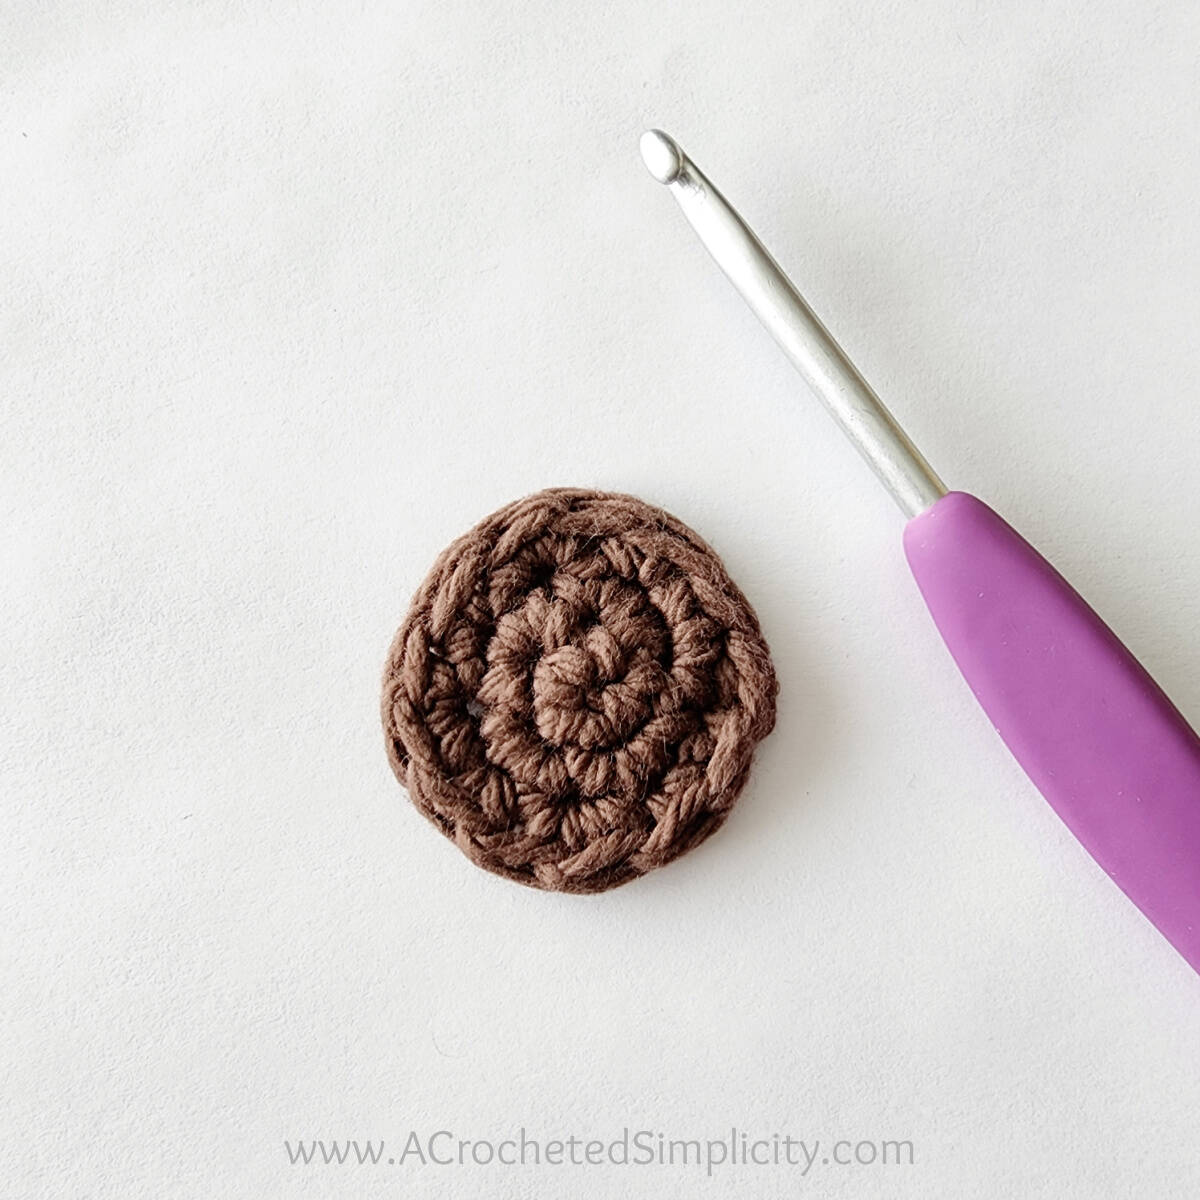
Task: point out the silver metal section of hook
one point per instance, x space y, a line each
780 307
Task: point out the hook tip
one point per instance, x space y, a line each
662 155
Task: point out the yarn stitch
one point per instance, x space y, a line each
576 693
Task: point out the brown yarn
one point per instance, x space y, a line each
576 693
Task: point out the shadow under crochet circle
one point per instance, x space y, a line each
576 693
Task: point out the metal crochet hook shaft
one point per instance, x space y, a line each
799 332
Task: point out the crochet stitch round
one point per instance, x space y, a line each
576 693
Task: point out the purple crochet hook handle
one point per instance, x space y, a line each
1094 732
1091 728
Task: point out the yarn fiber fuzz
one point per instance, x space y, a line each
576 693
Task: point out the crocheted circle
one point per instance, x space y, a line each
576 693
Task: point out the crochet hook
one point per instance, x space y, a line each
1091 729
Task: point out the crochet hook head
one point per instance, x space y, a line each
787 316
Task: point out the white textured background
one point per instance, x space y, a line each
291 295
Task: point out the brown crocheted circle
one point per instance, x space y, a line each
576 693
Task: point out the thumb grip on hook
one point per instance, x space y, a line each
1094 732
